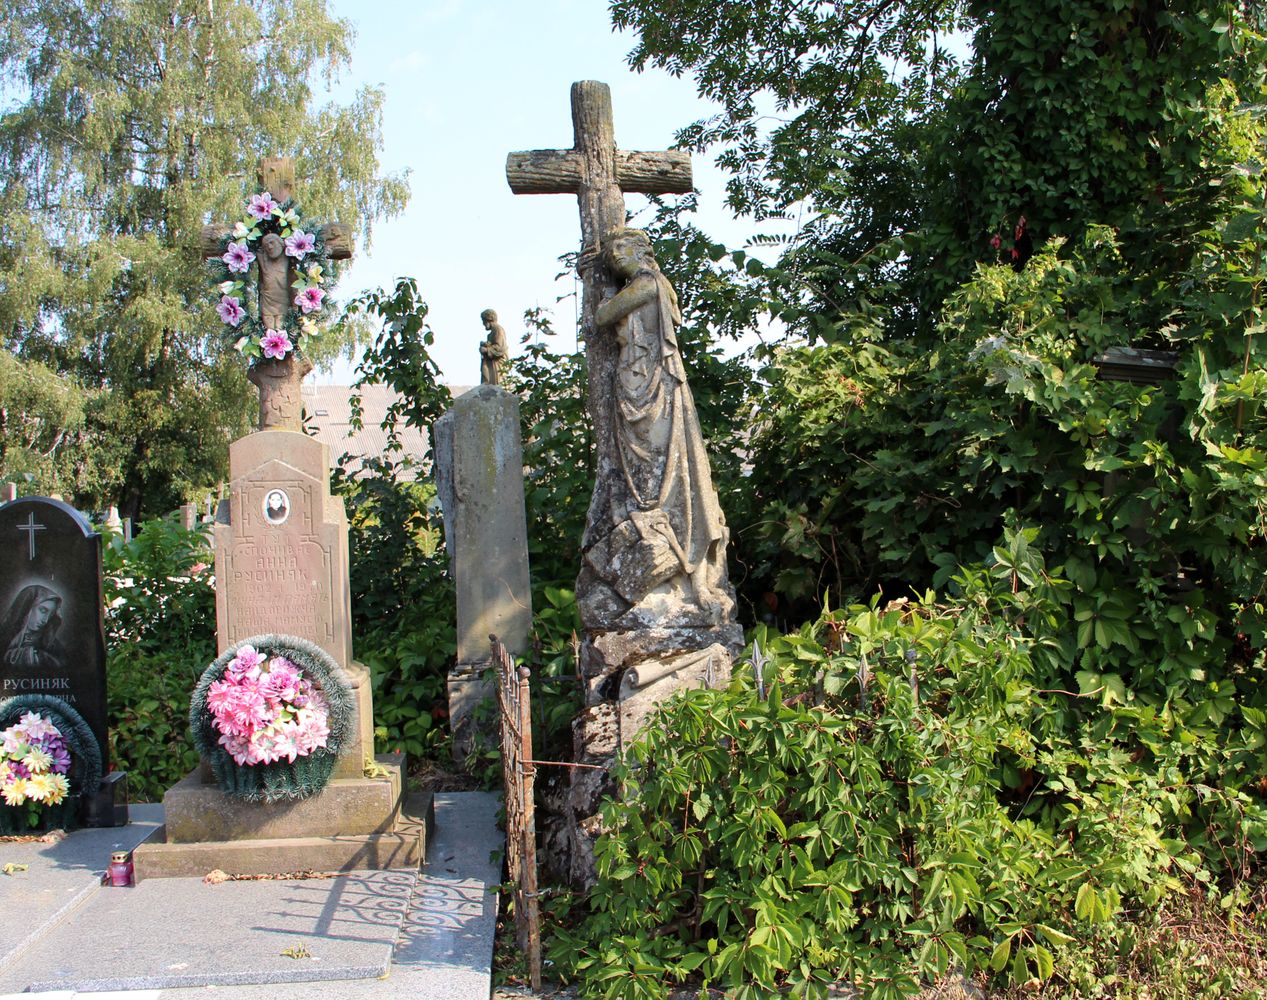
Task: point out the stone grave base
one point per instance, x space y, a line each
352 824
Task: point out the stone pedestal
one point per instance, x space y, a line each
352 824
282 567
479 476
280 381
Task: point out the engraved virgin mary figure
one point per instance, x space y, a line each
28 632
666 526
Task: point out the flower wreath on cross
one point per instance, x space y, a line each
239 309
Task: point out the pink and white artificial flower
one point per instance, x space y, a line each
309 300
36 727
238 258
246 660
300 244
275 344
261 206
230 310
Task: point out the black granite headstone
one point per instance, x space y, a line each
52 639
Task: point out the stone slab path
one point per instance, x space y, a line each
369 934
59 879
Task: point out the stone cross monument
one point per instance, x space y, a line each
280 381
656 605
281 542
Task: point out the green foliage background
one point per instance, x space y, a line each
160 636
126 128
904 793
1040 764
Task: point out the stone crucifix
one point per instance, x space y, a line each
280 381
656 606
599 174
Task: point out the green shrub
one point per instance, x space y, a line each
402 597
914 791
160 636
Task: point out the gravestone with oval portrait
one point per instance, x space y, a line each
282 558
52 640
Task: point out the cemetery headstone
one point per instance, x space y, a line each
656 605
52 639
479 476
52 634
282 559
281 542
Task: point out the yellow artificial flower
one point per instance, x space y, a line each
38 760
39 787
15 792
60 788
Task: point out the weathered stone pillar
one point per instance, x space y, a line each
281 391
479 476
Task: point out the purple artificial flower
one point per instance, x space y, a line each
261 206
300 245
238 257
230 310
309 300
275 344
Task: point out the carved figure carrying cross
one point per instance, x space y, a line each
598 173
280 381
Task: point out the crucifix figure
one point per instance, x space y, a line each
31 528
280 381
655 539
657 609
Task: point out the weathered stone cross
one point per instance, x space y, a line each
598 174
276 174
280 382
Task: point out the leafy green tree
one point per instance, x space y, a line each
912 170
41 426
909 164
126 128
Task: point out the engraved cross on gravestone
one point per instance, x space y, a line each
31 528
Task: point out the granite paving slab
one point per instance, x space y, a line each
182 932
447 936
443 950
60 878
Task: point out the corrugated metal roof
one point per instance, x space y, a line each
328 409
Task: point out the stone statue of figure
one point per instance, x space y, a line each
493 350
667 526
280 382
275 294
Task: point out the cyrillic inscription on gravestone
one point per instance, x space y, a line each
52 640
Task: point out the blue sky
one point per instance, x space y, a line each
465 83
